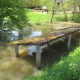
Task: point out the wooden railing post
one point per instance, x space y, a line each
17 50
38 57
69 42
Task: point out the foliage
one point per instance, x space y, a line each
13 12
48 3
74 2
12 15
76 18
32 3
60 18
67 69
68 5
38 3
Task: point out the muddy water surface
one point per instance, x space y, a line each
18 68
13 68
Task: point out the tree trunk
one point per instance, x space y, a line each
65 15
52 16
73 12
53 12
79 8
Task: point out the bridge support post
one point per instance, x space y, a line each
69 42
38 57
17 50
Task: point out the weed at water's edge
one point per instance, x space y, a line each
67 69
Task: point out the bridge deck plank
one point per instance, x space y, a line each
39 40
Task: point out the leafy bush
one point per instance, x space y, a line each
67 69
76 18
60 18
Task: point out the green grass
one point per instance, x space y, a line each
38 17
66 69
41 18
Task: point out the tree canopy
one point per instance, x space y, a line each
13 12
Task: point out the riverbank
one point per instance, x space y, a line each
67 68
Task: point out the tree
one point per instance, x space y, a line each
48 3
13 12
32 3
74 4
39 3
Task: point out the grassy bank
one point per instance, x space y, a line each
66 69
41 18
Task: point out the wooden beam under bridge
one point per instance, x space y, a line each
55 36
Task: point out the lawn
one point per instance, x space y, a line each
41 18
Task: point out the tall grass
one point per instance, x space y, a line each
67 69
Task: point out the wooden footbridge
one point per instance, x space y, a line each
47 39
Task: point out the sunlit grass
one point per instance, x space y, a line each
41 18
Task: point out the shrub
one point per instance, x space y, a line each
67 69
76 18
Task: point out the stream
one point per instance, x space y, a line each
18 68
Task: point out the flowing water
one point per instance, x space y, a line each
18 68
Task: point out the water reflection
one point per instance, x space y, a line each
33 34
18 68
14 35
12 67
36 33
